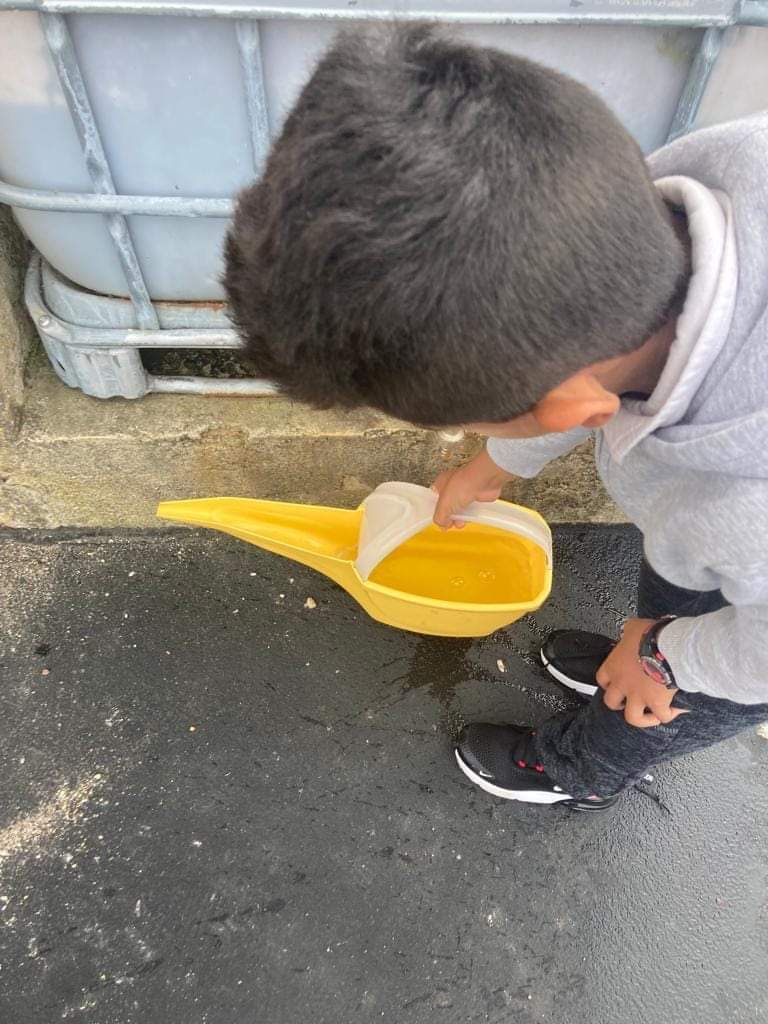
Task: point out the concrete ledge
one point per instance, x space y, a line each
79 461
17 335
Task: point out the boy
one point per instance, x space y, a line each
461 237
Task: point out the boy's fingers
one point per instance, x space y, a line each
664 713
443 513
613 698
602 677
636 713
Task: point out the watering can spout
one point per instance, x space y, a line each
322 538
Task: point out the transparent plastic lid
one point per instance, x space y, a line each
395 512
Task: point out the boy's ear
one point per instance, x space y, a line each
580 401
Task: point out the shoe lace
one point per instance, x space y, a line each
524 755
643 788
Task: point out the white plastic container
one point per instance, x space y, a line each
169 100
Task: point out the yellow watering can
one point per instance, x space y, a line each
390 557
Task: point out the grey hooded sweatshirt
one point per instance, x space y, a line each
689 465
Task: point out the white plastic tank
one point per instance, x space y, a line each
169 99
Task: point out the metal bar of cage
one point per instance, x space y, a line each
107 337
70 76
92 202
249 47
192 385
161 385
742 12
698 76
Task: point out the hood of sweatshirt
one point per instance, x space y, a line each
709 410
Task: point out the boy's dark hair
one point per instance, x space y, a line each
445 233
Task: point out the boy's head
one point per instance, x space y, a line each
446 233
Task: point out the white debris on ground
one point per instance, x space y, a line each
500 665
762 730
31 831
115 717
310 603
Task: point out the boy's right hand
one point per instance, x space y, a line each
479 480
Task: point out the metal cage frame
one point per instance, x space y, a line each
65 341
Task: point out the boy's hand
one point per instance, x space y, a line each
644 701
479 480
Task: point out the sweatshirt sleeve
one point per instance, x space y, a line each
723 654
528 456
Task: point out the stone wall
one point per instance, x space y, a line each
17 335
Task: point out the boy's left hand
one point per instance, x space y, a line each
644 701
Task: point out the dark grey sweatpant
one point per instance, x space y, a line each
594 751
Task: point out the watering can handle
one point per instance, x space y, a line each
396 511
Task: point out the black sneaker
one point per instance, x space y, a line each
501 759
572 657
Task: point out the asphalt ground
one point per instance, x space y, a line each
220 805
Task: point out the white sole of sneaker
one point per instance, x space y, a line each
572 684
528 796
